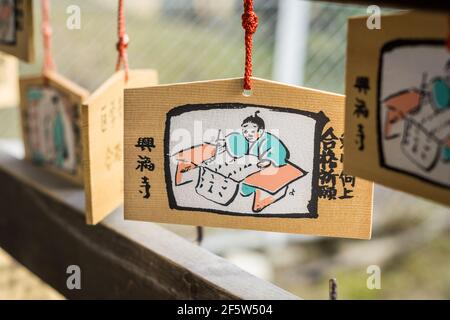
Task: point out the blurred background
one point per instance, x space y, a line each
299 42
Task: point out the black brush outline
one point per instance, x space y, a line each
321 120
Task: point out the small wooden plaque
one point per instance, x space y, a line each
102 118
16 29
203 154
50 113
398 103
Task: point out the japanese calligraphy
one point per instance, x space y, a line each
362 84
144 163
110 114
113 155
361 136
145 185
328 176
145 143
361 108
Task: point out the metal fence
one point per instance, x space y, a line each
189 40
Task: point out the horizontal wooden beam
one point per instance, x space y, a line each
42 225
437 5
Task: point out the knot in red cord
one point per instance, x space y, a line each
47 30
122 44
250 22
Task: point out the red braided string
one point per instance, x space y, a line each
49 65
249 23
122 44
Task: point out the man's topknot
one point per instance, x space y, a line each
256 120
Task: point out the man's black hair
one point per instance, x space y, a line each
447 65
256 120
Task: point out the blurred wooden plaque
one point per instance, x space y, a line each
9 83
16 29
50 113
102 117
398 103
203 154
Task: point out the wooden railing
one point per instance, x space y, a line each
42 225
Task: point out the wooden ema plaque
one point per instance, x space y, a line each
203 154
102 115
51 125
398 103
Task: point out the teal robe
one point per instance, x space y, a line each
440 92
267 147
59 141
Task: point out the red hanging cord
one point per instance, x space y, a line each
122 44
49 65
249 23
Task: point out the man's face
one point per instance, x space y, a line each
251 132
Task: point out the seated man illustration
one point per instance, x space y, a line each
254 162
434 97
255 140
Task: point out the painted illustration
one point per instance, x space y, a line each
414 105
253 161
7 22
51 127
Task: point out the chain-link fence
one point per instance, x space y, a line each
185 40
188 40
